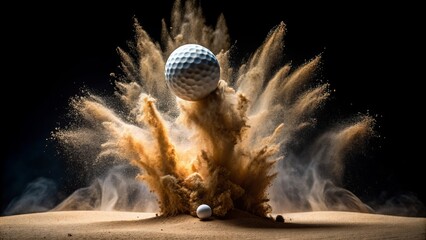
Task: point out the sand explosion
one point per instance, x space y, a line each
233 149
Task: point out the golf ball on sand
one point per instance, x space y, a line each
204 211
192 72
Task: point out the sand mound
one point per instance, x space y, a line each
136 225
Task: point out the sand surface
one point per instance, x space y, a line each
240 225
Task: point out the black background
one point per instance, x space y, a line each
370 56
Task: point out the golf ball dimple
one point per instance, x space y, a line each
192 72
204 211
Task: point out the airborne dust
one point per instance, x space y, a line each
230 150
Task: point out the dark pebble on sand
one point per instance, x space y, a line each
279 218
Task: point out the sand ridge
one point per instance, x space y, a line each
137 225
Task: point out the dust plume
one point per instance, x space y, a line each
116 190
38 196
233 149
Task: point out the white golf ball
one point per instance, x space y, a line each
204 211
192 72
